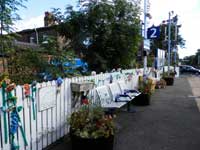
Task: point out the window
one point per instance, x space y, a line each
31 39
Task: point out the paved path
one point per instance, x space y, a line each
171 122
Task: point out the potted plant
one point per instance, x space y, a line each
91 128
160 84
169 77
146 87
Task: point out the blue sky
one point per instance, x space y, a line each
187 10
38 7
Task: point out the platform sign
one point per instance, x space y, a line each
153 32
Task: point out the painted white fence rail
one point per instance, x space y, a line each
53 107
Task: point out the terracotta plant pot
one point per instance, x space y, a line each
102 143
142 99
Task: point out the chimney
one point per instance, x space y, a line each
49 19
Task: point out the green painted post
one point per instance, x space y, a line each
4 113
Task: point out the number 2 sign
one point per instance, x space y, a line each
153 32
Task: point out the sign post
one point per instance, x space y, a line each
145 38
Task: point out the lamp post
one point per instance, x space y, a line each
145 37
169 40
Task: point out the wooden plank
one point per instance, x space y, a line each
58 113
1 114
44 122
44 128
38 122
67 102
53 120
5 146
49 123
33 123
19 94
62 111
27 121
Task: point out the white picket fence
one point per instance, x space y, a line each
53 107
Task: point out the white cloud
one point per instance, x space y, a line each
188 16
30 23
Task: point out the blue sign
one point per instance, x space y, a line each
153 32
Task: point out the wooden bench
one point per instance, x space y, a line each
118 95
124 89
106 101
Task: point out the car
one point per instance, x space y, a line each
189 69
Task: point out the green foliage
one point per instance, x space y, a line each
90 122
50 45
24 66
170 74
8 14
162 42
193 60
58 57
106 33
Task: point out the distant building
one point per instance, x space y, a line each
36 36
32 38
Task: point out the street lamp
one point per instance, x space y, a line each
145 36
173 21
169 39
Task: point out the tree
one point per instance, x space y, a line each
8 14
24 66
193 60
107 33
162 41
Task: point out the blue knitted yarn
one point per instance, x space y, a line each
14 122
59 81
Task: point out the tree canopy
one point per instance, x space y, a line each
162 42
106 33
8 15
193 60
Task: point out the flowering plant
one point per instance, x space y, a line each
161 84
91 122
171 74
145 85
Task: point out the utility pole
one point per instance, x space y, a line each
169 40
175 40
145 37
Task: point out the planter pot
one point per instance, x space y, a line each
102 143
169 80
142 99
